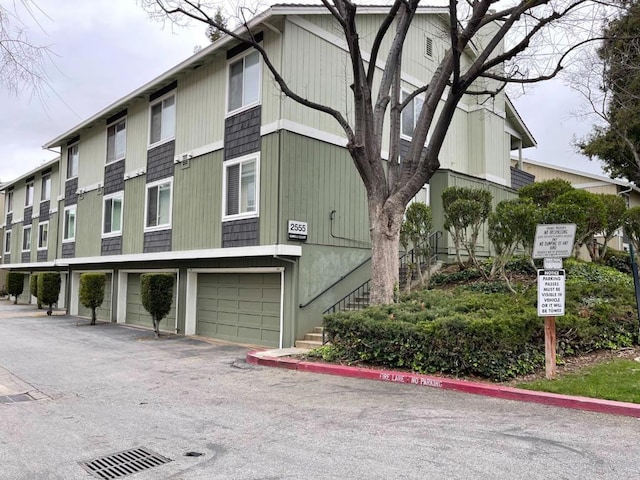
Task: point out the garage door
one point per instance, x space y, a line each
242 307
137 315
103 312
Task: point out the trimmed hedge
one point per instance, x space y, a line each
33 288
15 285
48 289
92 292
495 336
156 290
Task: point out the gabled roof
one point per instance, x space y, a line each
514 117
30 173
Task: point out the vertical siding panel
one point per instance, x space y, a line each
93 154
88 225
133 222
197 204
137 135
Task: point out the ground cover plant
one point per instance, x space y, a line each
467 326
617 379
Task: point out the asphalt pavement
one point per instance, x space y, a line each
71 393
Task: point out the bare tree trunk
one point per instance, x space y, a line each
156 327
385 242
93 316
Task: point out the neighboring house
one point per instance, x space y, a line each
201 171
584 181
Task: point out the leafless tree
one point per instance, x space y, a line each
521 41
22 63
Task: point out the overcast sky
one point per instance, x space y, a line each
104 49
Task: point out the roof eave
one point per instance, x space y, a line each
30 173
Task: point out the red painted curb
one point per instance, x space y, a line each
465 386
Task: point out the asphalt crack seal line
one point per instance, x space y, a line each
271 359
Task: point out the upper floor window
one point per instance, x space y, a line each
28 197
410 114
241 187
8 198
45 194
116 141
112 215
158 205
43 235
73 159
69 226
26 239
163 120
7 241
244 82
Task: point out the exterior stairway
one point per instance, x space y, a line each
311 340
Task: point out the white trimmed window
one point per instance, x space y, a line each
244 82
73 160
7 241
158 205
69 230
8 198
410 115
28 197
116 140
112 215
26 239
240 191
43 236
45 193
163 120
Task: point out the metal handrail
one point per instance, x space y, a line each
305 305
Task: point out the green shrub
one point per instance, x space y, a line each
157 296
92 292
48 289
15 284
621 261
495 336
456 277
33 288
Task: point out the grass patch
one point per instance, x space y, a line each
617 379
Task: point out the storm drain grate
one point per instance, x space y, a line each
124 463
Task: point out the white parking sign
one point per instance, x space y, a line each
550 293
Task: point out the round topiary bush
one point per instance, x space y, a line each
15 285
92 292
157 296
48 289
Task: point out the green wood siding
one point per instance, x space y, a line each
269 191
88 225
316 179
133 221
53 238
137 135
197 204
93 154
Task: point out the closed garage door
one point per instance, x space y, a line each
137 315
243 307
103 312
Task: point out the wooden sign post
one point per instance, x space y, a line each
552 243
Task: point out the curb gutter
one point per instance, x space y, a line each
497 391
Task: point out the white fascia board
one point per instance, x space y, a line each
233 252
22 266
44 166
512 113
368 9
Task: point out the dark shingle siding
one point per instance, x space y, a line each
28 215
26 257
69 250
240 233
520 178
114 177
44 211
42 255
160 161
70 189
242 133
111 246
9 220
157 241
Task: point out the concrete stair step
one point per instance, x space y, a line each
318 330
308 344
313 337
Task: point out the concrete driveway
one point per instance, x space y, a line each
72 393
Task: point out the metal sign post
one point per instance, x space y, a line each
552 243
